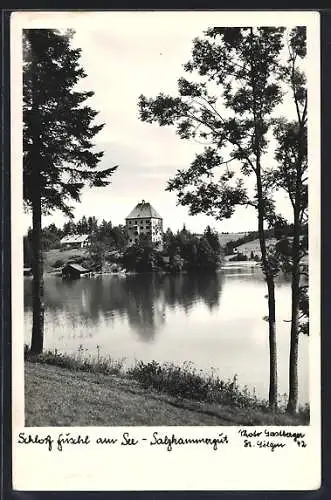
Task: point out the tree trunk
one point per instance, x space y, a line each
292 404
37 341
273 376
272 343
268 272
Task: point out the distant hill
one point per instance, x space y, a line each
225 238
234 240
254 246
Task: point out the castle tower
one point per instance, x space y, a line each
144 223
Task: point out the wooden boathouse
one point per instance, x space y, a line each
72 271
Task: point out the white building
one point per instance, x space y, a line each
75 240
144 223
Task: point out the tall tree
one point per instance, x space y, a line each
69 227
82 226
213 239
58 155
228 106
291 176
92 224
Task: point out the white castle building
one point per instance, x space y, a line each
144 223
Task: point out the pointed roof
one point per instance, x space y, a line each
77 267
74 238
143 210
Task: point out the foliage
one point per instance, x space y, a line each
104 238
51 237
213 239
58 150
76 362
58 263
140 258
56 113
182 382
223 58
291 177
96 256
227 106
182 251
239 257
291 172
190 252
250 236
176 263
187 382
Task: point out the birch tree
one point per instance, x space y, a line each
227 105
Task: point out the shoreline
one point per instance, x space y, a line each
169 394
224 266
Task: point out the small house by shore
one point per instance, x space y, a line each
72 271
75 241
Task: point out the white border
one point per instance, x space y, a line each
232 467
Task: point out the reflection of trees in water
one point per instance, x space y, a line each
186 289
142 299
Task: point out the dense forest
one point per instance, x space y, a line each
182 250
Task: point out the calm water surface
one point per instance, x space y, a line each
215 321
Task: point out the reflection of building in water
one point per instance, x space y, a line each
146 311
144 223
82 308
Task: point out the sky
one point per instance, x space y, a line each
122 61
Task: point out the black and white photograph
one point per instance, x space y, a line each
165 229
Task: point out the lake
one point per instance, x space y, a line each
215 321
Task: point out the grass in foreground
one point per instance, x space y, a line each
77 362
182 384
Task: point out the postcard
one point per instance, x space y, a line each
165 180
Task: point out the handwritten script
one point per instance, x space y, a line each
267 439
168 441
271 439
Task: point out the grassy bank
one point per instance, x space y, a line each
199 398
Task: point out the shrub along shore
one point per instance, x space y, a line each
182 385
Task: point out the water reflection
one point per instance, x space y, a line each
212 320
143 300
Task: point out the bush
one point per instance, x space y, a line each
76 362
178 381
58 263
187 382
239 257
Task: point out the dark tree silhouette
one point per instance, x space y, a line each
58 156
291 176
